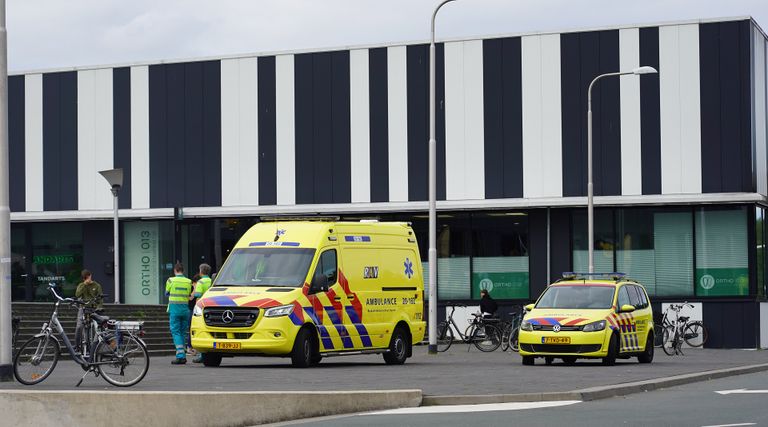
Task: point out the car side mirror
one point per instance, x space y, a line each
319 283
627 308
529 307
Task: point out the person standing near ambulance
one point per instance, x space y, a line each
202 284
178 289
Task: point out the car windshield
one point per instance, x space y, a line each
579 296
266 267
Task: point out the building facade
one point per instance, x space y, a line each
208 147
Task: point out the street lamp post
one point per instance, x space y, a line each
432 348
115 179
6 364
590 196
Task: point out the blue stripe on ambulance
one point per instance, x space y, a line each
361 329
336 320
357 238
325 337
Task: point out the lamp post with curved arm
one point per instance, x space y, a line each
432 348
590 196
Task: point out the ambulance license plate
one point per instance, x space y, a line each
556 340
226 345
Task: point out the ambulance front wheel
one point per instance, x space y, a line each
305 351
399 348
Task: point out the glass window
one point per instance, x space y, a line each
453 255
500 255
656 248
326 266
57 257
603 243
18 263
643 297
634 298
147 253
722 267
270 267
623 298
581 296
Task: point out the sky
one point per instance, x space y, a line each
46 34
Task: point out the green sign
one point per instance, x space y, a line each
53 259
510 285
722 281
141 250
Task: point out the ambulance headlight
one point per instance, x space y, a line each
594 326
283 310
526 326
197 311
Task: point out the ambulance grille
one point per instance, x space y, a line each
241 317
560 348
562 328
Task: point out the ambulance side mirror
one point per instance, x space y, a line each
529 307
319 283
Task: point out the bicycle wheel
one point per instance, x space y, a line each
669 342
122 362
35 360
514 339
695 334
486 338
444 336
505 336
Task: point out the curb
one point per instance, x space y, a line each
177 409
594 393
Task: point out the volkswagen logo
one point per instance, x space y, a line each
228 316
555 328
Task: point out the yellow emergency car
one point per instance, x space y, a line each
315 288
589 316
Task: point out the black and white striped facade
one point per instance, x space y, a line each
347 130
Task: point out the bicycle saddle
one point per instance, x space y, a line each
684 318
99 318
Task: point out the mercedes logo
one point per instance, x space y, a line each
228 316
555 328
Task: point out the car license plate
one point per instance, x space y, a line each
226 345
556 340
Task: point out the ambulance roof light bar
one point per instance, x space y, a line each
571 275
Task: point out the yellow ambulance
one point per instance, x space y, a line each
307 289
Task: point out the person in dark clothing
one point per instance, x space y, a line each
488 305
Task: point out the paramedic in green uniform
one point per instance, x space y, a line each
179 290
202 285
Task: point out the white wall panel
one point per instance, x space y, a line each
286 131
33 142
764 325
680 109
759 111
95 137
140 137
397 114
542 119
360 167
629 58
464 122
239 132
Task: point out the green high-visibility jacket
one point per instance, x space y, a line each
202 285
178 289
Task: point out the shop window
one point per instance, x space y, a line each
722 267
603 244
147 260
19 273
500 255
453 251
57 257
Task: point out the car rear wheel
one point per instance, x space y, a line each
211 359
613 351
399 348
647 356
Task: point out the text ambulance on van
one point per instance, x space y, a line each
308 289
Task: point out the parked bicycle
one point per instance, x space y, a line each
693 333
109 349
482 334
511 331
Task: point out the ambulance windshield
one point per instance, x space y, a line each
579 296
266 267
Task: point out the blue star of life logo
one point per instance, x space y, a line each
408 268
280 232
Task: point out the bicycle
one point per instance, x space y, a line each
694 333
482 334
117 354
510 337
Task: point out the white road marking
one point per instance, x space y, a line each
742 391
447 409
731 425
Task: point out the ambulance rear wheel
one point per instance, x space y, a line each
211 359
399 348
304 349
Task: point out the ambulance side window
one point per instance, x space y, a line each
623 297
634 298
325 272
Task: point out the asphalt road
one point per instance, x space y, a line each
457 371
696 404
